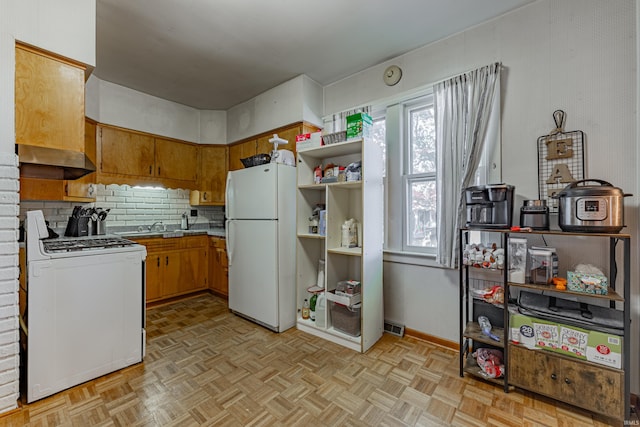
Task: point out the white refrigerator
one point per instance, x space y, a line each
260 231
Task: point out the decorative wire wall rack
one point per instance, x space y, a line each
560 161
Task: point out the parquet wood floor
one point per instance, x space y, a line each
207 367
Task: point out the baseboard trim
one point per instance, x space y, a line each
451 345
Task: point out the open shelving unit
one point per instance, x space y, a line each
585 384
361 200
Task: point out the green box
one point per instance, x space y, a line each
597 347
359 126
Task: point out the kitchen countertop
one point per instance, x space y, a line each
217 232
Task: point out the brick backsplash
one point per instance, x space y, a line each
131 207
9 271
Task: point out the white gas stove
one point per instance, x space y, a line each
85 307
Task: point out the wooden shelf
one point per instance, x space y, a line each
550 233
474 332
311 236
346 251
611 296
472 368
334 150
343 184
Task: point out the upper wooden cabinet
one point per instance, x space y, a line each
49 100
136 158
124 152
175 160
261 144
241 151
212 176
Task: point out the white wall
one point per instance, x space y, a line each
65 27
117 105
299 99
574 55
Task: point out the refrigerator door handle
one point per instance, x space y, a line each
228 196
229 242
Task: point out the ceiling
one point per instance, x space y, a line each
214 54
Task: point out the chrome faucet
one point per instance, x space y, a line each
155 224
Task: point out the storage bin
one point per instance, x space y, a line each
346 319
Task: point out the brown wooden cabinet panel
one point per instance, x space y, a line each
241 151
193 264
176 160
49 100
122 152
212 175
170 283
218 266
582 384
153 276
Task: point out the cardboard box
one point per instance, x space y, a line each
359 126
593 346
587 283
308 140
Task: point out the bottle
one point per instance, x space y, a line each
312 307
321 310
184 224
305 309
320 280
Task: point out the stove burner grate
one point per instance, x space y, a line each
52 246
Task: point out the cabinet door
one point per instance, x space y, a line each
122 152
171 280
595 388
218 266
49 101
153 270
535 371
213 174
176 160
241 151
193 275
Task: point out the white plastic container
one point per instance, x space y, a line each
321 311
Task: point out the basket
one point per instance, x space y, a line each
346 319
334 138
257 160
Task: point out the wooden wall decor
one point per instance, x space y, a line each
560 160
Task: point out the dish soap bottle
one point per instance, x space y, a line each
312 307
305 309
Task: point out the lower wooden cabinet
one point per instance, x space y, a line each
593 387
218 266
175 266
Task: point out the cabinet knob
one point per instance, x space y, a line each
554 377
567 381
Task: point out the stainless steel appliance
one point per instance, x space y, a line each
587 208
535 215
489 206
85 308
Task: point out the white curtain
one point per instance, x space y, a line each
463 111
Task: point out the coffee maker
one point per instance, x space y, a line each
489 206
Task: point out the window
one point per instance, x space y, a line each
407 131
420 177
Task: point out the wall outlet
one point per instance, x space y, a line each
194 212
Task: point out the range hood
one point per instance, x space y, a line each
52 163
